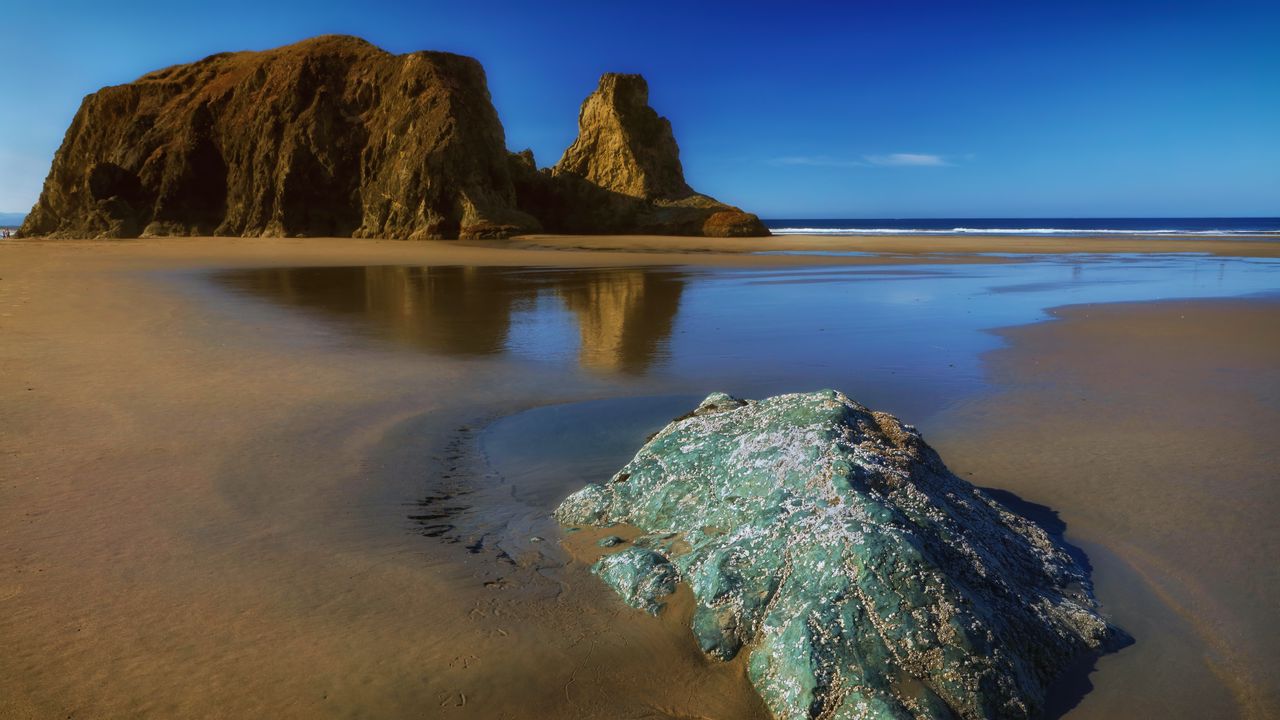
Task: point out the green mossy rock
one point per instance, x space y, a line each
865 579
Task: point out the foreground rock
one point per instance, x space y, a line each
333 136
864 577
623 175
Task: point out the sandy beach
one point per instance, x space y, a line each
207 502
1172 490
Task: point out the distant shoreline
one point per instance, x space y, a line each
758 251
916 248
1153 227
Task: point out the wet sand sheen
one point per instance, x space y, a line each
256 556
206 510
1172 494
1158 448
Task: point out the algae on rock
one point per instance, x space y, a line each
865 579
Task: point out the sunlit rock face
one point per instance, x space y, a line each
622 174
334 136
866 579
623 145
329 136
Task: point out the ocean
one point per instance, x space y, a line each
1026 226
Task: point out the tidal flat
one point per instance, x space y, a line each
313 478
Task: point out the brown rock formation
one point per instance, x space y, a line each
623 145
623 174
333 136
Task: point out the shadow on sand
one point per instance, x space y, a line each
1072 686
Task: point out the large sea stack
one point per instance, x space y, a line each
332 136
833 545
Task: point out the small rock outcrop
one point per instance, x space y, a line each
334 136
865 579
623 145
623 175
330 136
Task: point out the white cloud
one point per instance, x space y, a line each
818 161
888 160
907 160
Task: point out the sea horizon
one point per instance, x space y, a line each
1029 226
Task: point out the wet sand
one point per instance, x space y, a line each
211 513
1151 429
197 523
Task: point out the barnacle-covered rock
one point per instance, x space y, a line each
867 580
639 576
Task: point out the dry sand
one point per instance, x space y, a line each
187 527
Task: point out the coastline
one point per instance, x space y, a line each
632 250
972 246
133 525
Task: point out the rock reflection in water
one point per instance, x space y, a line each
624 316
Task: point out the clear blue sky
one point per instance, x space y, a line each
790 109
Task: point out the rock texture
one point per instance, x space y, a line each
333 136
623 174
623 145
866 579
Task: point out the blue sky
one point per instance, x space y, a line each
857 109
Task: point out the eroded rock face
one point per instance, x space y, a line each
623 175
330 136
623 145
867 579
333 136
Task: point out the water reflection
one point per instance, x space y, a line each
624 317
906 338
